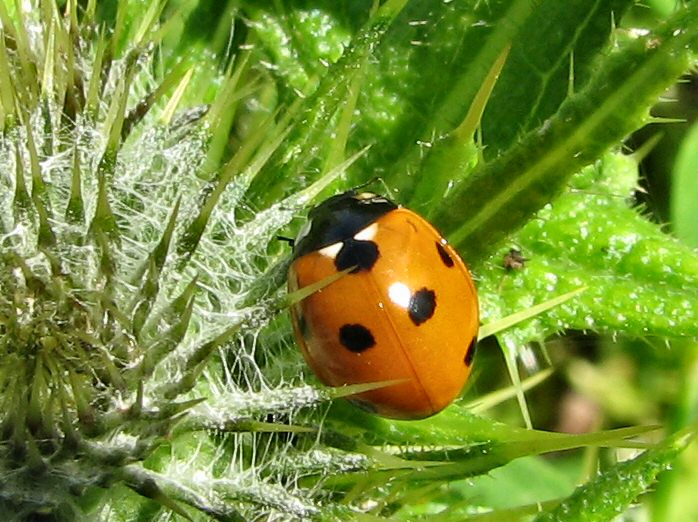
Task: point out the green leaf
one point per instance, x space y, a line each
613 103
541 74
612 491
639 281
685 189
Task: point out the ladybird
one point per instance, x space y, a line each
405 311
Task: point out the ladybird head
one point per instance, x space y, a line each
339 218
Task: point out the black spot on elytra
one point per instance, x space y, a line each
444 255
422 305
362 254
470 352
356 338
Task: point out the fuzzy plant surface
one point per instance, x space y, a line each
151 153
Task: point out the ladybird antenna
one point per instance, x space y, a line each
388 190
291 242
371 181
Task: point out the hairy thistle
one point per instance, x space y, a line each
124 271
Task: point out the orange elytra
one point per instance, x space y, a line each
406 311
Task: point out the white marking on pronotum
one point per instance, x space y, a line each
400 294
368 233
332 250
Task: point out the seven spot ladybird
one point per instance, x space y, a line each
406 310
